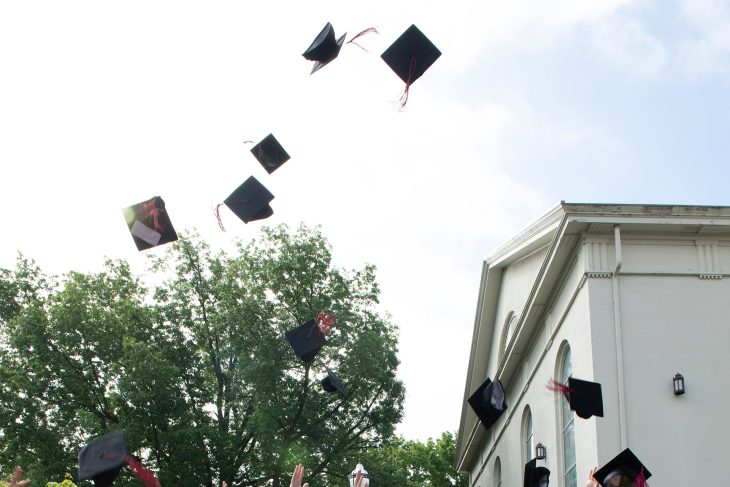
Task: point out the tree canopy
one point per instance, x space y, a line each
196 369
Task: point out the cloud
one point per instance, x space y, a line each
707 51
625 43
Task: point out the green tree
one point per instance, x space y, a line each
197 371
407 463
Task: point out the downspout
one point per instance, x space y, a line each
619 340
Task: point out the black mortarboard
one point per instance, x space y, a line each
103 458
585 398
250 201
324 48
306 340
625 467
332 383
534 475
270 153
411 55
149 223
488 401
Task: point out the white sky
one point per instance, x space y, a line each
105 104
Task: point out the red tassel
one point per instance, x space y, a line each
151 210
217 212
325 321
556 386
640 479
144 475
369 30
411 70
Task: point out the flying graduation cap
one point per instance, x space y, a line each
488 401
324 48
149 223
103 459
410 56
249 202
306 340
332 383
584 397
536 476
270 154
624 469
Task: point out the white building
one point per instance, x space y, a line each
624 295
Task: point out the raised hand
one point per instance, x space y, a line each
297 476
15 481
592 482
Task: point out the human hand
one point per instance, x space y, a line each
296 478
360 481
591 481
15 481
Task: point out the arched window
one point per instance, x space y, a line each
527 441
508 330
570 475
497 473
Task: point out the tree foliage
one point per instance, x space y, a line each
197 370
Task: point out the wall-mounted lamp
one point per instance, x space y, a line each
678 384
540 451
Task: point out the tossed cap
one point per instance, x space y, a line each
411 55
536 476
625 467
324 48
149 223
332 383
270 153
306 340
489 402
103 458
585 398
250 201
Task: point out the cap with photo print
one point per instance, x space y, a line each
149 223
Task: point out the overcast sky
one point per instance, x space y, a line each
106 104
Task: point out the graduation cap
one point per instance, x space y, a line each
624 469
103 458
410 56
488 401
332 383
149 223
306 340
584 397
324 48
270 153
249 202
536 476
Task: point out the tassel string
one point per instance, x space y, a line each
404 96
369 30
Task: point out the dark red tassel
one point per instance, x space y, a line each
411 70
640 479
556 386
369 30
151 210
323 323
144 475
217 212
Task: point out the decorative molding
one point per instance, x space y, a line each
600 228
711 276
599 275
708 259
568 241
595 258
713 229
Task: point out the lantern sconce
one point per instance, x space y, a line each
678 384
540 451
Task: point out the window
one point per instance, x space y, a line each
527 437
497 473
570 476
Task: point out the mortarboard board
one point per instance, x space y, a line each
624 469
306 340
324 48
103 458
270 153
488 401
536 476
149 223
585 398
250 201
332 383
410 56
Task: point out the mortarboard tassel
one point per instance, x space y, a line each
151 210
640 479
369 30
556 386
404 96
324 323
217 212
145 476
